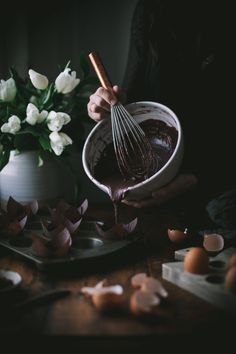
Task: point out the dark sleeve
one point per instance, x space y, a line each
192 72
142 71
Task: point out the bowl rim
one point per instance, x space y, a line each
159 172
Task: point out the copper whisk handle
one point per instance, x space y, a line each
100 70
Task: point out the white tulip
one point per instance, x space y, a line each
39 81
56 120
66 82
33 116
7 90
59 141
12 126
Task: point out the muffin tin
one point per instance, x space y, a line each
86 246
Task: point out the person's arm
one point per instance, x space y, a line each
178 186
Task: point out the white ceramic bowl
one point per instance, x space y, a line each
101 136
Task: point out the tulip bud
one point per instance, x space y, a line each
12 126
56 120
33 116
59 141
39 81
7 90
66 82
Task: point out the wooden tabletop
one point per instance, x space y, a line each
183 313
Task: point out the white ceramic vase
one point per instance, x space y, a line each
24 180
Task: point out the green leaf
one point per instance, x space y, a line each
15 76
84 64
29 130
44 141
4 158
67 65
49 94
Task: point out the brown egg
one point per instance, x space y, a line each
177 236
230 279
232 261
196 261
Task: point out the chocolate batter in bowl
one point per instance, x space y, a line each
163 130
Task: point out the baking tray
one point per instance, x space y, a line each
87 246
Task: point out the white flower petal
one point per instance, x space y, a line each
66 82
66 139
59 141
66 118
33 116
5 128
42 116
38 80
7 90
56 120
31 107
12 126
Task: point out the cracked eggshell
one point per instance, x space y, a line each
108 298
143 303
177 236
213 243
89 290
138 279
153 285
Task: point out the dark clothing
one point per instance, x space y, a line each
180 55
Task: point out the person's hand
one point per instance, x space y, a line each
178 186
101 101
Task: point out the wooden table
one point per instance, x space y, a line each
74 315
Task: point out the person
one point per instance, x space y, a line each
180 56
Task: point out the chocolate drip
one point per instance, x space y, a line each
162 138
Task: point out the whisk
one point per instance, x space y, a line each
134 153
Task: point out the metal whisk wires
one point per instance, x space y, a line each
134 153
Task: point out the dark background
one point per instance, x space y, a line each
43 34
